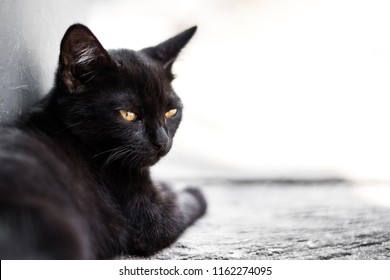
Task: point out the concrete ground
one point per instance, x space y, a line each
289 220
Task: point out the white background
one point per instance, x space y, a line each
270 87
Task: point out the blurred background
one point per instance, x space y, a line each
271 88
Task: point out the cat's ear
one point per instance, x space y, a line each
167 51
82 57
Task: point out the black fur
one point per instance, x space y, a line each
74 174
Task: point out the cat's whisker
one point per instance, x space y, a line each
128 156
91 78
112 155
72 125
109 160
107 151
87 74
117 154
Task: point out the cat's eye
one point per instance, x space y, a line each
171 113
128 116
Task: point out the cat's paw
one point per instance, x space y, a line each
197 193
162 187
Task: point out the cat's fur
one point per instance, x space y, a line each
74 174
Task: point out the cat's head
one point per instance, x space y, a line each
119 103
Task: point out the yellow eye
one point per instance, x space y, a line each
171 113
128 116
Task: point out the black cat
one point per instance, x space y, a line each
74 170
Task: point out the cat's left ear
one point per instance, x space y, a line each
82 58
167 51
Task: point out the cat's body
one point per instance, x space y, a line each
74 171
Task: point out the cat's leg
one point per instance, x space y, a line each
158 222
191 200
192 204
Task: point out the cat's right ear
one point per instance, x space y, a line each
82 58
167 51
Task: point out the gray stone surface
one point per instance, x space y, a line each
288 221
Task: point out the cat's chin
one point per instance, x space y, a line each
162 153
156 158
145 162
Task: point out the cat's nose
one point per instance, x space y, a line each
160 138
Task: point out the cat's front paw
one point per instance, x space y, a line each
197 193
162 188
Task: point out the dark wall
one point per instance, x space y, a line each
30 34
